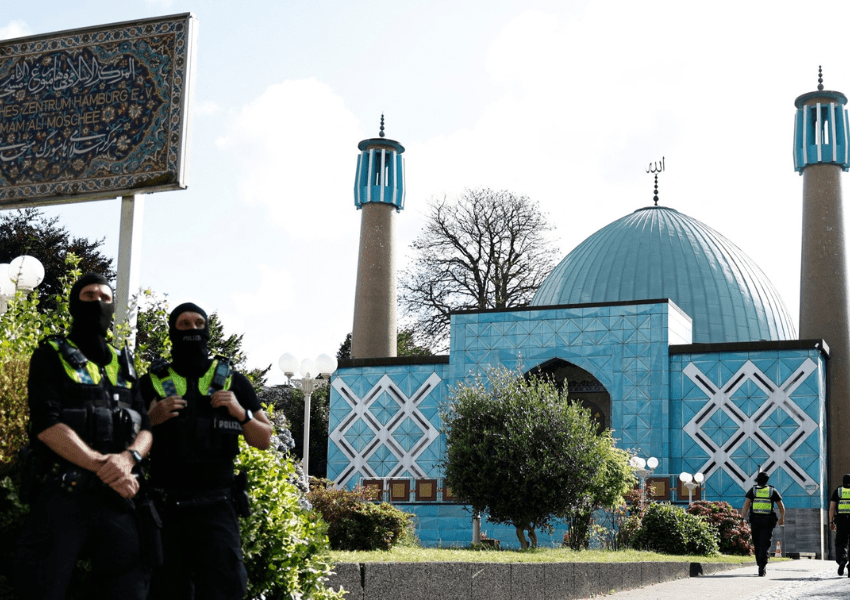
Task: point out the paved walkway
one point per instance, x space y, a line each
790 580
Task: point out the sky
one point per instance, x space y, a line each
566 102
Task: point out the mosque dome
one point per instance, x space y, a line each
657 252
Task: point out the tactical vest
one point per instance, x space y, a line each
844 501
97 401
762 503
199 433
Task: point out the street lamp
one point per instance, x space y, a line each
691 482
24 273
323 366
643 468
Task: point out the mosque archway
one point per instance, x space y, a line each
582 387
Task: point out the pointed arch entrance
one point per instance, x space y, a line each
582 387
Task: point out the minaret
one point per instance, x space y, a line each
821 152
379 192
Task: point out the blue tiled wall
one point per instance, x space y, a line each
384 422
734 412
721 413
623 346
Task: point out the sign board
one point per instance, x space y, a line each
95 113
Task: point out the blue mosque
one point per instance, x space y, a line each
664 328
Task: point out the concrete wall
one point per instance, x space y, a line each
505 581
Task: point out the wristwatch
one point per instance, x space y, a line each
136 456
249 416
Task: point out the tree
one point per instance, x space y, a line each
518 451
487 249
28 231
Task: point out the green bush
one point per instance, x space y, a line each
735 534
356 523
285 547
671 530
14 410
520 452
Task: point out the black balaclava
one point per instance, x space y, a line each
845 481
189 346
761 478
91 320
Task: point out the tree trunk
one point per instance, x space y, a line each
520 533
532 535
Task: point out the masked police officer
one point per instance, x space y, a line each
759 502
88 430
199 407
839 522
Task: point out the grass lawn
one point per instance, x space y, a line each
539 555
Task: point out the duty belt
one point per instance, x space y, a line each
195 499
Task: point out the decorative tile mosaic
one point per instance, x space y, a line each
743 412
381 430
95 112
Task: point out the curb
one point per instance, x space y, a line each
508 581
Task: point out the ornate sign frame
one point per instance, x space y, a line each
96 113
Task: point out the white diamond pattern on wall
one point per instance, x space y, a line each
380 442
773 431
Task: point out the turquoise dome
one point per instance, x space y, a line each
657 252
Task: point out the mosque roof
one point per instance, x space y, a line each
658 252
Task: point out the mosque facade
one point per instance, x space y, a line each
666 331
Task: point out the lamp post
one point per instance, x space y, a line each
643 468
24 273
310 370
691 482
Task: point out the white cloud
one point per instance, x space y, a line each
14 29
206 108
295 148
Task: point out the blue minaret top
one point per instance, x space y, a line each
820 129
380 172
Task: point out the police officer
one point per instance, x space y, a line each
88 430
199 406
839 522
758 507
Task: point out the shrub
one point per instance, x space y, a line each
735 535
671 530
285 547
14 410
356 523
520 452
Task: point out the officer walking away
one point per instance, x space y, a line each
88 430
759 503
839 522
199 407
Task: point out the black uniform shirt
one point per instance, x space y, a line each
185 473
46 388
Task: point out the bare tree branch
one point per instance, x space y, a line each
486 249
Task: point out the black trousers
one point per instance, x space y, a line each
202 555
842 537
63 527
762 528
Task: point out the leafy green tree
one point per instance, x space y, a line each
484 249
519 452
29 231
